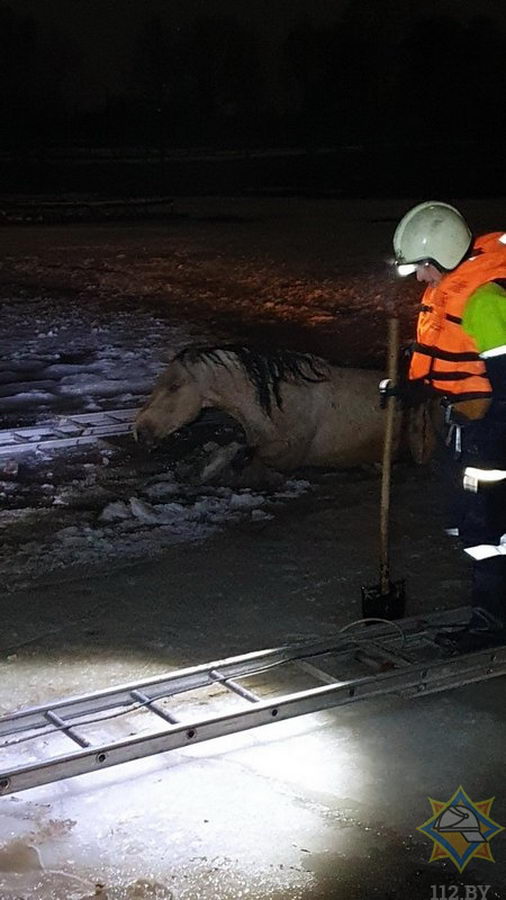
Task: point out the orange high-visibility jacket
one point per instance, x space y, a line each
444 356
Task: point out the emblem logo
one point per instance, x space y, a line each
461 829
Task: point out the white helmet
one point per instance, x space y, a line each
463 820
431 232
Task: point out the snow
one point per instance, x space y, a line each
33 399
94 357
127 529
93 507
90 358
59 357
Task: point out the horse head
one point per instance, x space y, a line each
175 401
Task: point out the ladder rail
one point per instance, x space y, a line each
420 679
195 677
179 681
76 430
67 431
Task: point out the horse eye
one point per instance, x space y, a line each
173 388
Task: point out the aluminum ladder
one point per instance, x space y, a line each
373 661
84 428
67 431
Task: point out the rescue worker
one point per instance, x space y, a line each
460 354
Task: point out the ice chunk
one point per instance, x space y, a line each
259 515
143 511
294 487
246 500
167 512
115 511
161 489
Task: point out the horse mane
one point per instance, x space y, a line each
265 370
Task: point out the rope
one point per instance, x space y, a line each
374 619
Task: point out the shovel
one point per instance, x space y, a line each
386 600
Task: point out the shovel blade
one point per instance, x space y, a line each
378 604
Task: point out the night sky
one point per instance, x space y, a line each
419 89
104 31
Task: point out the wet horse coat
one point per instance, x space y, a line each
295 408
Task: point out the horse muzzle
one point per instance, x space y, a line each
143 434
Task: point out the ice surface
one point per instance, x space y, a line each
89 353
61 357
163 512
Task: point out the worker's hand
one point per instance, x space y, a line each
409 393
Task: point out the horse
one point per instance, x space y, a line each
295 409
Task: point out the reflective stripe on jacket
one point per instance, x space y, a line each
445 356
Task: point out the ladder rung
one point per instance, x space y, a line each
317 673
395 656
197 677
233 686
381 658
418 679
62 434
404 676
69 730
67 431
143 698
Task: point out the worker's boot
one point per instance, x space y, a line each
481 632
487 625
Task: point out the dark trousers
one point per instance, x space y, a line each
481 516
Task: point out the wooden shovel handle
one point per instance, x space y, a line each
392 371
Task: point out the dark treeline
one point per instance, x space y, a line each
402 100
211 82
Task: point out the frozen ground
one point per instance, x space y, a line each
57 356
83 508
117 565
